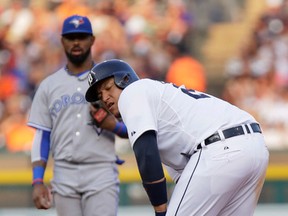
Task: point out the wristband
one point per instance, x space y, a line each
38 174
156 192
120 129
160 213
37 181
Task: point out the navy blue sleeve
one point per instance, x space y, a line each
148 158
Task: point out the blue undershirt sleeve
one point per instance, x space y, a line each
150 168
45 145
148 157
41 146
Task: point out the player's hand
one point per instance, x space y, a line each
42 196
101 117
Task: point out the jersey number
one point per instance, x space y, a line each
193 93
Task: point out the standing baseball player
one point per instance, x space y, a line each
85 175
214 151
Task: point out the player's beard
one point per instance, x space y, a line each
79 59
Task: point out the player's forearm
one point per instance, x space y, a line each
39 163
162 207
41 146
157 194
39 155
150 168
115 126
38 170
120 129
104 119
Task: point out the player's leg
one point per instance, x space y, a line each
245 200
192 194
104 202
213 176
100 189
67 205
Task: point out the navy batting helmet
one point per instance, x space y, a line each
121 71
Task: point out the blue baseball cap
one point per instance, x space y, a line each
77 24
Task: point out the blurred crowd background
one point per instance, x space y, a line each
161 39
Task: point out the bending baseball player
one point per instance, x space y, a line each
214 151
85 175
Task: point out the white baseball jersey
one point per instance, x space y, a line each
59 106
224 178
180 117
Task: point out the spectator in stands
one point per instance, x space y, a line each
185 69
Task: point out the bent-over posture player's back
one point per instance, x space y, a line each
214 151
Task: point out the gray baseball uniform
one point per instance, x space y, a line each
84 156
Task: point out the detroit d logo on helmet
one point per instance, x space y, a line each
91 78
